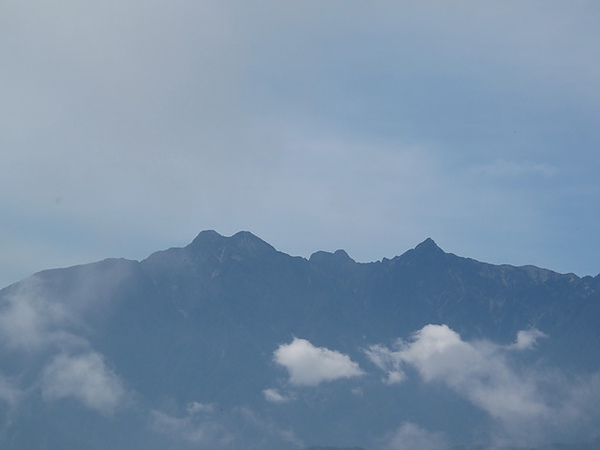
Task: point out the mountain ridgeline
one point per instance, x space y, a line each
228 343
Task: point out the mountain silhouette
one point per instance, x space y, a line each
229 343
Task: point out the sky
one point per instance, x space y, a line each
129 126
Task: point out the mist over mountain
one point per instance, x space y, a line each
228 343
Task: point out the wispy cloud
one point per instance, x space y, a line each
267 430
308 365
28 321
36 323
84 377
275 396
411 437
213 427
202 431
9 390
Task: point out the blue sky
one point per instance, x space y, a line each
129 126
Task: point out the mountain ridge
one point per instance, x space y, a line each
192 337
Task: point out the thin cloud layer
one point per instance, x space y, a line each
412 437
200 430
28 321
219 428
308 365
9 391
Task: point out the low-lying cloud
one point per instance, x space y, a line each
201 431
527 339
29 322
84 377
522 401
308 365
411 437
214 427
48 329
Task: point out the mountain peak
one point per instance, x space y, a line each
428 246
339 256
426 251
207 237
248 241
241 241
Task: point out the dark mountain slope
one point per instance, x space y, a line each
201 323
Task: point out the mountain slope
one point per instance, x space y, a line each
229 343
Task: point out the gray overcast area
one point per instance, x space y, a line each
129 126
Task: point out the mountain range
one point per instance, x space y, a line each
228 343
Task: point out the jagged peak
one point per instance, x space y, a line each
429 246
426 250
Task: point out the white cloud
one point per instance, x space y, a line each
388 361
527 339
477 370
274 396
197 408
308 365
47 327
412 437
84 377
239 427
203 433
32 318
522 401
29 322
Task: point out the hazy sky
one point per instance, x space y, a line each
129 126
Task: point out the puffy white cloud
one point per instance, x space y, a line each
478 370
410 437
308 365
521 400
84 377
